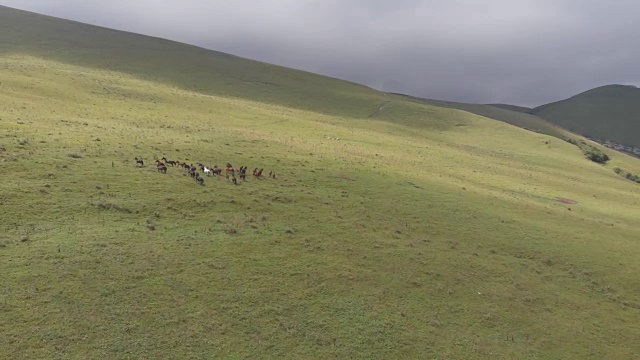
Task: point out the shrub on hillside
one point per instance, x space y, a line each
591 152
594 154
627 175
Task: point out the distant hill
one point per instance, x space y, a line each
609 112
512 107
511 114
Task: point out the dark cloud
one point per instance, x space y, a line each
525 52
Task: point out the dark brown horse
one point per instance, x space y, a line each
161 167
170 162
199 180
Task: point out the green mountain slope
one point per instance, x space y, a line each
392 228
510 114
513 107
609 112
181 65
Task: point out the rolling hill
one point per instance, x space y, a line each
392 229
510 114
609 112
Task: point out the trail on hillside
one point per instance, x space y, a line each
382 107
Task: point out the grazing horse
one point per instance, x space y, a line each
243 172
216 170
257 173
161 167
139 162
199 180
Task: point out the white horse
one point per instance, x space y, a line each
207 171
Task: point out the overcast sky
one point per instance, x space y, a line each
525 52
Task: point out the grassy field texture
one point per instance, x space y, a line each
394 229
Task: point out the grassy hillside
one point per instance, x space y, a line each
609 112
393 229
510 114
181 65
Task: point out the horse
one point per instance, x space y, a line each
243 173
230 170
216 170
170 162
199 180
206 170
161 167
139 162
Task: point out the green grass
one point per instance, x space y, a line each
423 232
608 112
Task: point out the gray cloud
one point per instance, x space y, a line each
525 52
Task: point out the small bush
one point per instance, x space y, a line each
595 155
591 152
571 141
627 175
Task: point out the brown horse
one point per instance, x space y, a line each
230 170
170 162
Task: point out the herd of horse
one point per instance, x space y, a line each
192 170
